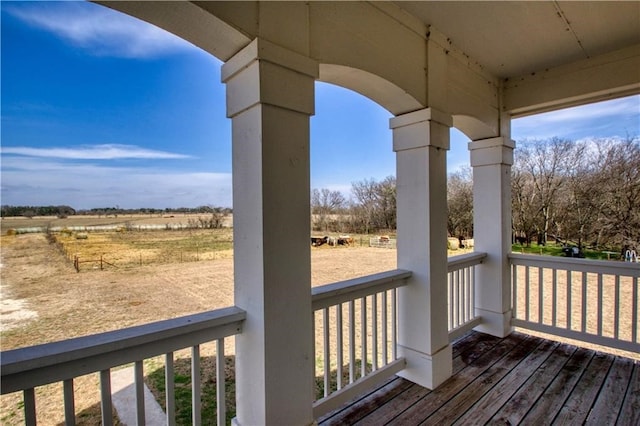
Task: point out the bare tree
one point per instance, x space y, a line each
374 205
460 203
546 163
325 203
619 179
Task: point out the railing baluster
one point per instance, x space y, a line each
634 310
584 302
69 403
467 291
472 294
554 297
600 304
339 343
105 398
327 363
540 295
352 341
385 341
196 400
527 302
394 325
139 387
458 298
221 392
363 337
170 397
569 290
451 302
29 396
374 331
514 286
616 309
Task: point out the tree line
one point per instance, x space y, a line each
65 211
584 192
371 208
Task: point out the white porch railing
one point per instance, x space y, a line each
588 300
355 336
461 293
27 368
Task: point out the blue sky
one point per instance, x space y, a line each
99 109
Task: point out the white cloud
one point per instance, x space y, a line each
31 181
99 30
93 152
602 119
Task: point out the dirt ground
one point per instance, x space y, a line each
44 299
47 300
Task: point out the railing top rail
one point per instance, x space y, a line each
343 291
573 264
464 260
56 361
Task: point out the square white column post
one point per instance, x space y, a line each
270 98
491 160
421 141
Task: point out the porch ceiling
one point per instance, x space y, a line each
511 39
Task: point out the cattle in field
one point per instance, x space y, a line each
344 240
318 241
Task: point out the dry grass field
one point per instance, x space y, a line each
44 299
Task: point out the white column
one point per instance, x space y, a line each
270 98
491 160
421 141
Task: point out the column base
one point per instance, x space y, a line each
494 323
429 371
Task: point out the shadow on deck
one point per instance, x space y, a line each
520 379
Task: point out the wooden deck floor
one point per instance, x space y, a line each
520 379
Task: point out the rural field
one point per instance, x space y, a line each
44 299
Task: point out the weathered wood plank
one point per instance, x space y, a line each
630 413
387 412
496 397
366 405
577 407
515 409
460 403
609 402
553 398
431 402
516 380
472 350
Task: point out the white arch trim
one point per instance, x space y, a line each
384 93
473 128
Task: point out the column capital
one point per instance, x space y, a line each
426 114
419 129
485 152
263 50
265 73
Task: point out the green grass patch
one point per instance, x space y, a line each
553 249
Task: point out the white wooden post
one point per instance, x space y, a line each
421 141
270 97
491 160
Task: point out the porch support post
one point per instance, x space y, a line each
421 141
491 160
270 98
